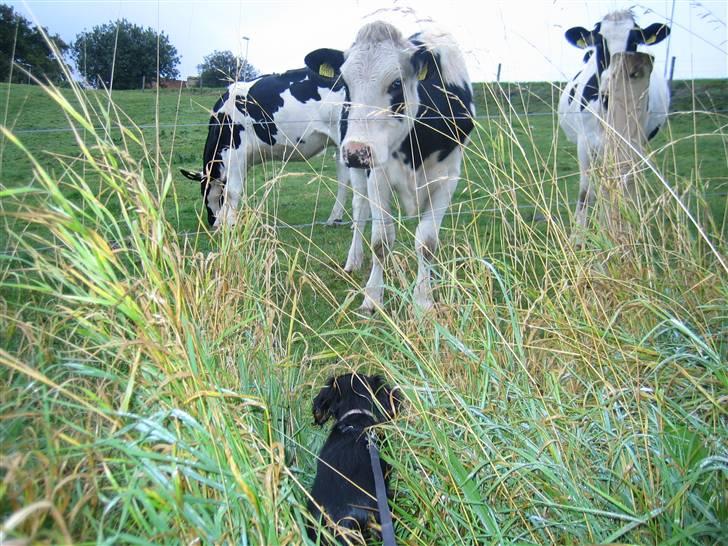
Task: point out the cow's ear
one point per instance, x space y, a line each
196 176
424 63
579 37
325 62
325 402
654 34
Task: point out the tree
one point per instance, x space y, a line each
26 45
126 51
221 67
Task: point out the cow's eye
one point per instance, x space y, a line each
395 86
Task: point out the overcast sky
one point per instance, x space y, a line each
526 36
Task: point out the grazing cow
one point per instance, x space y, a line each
408 113
293 115
584 102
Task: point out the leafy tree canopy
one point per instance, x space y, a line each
25 43
222 67
128 52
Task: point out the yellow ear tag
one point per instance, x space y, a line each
423 72
581 42
651 40
326 70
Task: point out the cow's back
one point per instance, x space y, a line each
291 111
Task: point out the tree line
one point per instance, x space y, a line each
117 54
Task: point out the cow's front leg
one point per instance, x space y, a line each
380 195
586 189
343 181
360 215
427 238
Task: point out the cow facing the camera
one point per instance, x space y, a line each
408 113
583 103
293 115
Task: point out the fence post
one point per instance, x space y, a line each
624 136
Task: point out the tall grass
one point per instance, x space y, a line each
157 384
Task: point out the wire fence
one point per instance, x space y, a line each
281 225
506 115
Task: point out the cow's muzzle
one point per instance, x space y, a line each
357 155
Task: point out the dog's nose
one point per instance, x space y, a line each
357 155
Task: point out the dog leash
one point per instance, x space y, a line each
385 515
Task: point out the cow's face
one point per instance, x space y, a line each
381 72
214 196
616 33
212 190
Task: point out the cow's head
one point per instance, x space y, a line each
381 72
616 33
213 193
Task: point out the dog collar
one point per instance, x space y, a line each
354 412
357 412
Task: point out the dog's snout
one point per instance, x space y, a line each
357 155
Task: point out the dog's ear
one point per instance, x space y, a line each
322 404
389 400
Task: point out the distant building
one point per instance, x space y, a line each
193 81
167 83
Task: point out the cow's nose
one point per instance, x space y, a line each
357 155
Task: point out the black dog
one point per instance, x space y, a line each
344 485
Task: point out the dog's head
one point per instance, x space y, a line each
355 391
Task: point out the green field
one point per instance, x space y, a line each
158 378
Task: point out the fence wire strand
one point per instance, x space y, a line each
281 225
149 126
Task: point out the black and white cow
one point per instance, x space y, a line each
583 102
408 113
293 115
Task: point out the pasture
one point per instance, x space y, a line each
158 378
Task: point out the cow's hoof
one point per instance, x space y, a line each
351 266
425 307
577 241
225 224
366 312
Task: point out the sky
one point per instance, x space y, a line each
525 36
